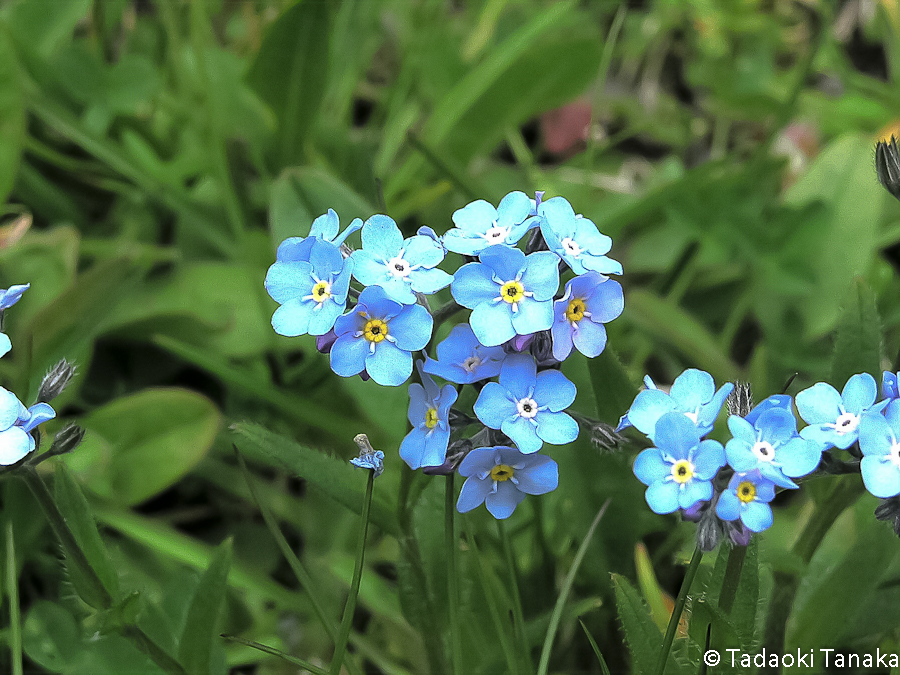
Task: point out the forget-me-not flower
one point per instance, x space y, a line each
508 292
693 393
590 301
9 297
575 239
324 228
772 446
429 410
879 440
889 386
747 498
834 418
528 406
461 358
312 294
403 267
479 225
16 424
377 336
500 477
678 472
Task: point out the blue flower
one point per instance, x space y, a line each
500 477
377 336
771 446
747 497
879 440
508 293
403 267
782 401
889 386
575 239
479 225
16 424
429 410
834 418
313 293
461 358
678 472
527 406
590 301
8 298
324 228
370 460
693 393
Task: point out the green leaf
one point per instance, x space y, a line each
335 477
603 667
857 347
12 116
290 73
42 31
613 388
139 445
80 519
50 636
199 636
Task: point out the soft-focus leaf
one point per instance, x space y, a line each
857 346
613 388
50 636
42 30
12 115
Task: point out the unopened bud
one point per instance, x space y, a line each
456 453
55 381
739 533
604 436
66 440
887 165
710 529
740 400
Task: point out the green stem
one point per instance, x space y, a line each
732 578
455 176
445 312
452 590
12 590
518 616
271 651
350 607
680 601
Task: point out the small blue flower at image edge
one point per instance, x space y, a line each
500 477
370 460
324 228
313 293
528 406
590 301
429 411
16 424
889 385
9 297
479 225
693 394
575 239
834 418
461 358
678 472
879 440
747 498
508 292
378 336
403 267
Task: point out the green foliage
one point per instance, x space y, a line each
857 346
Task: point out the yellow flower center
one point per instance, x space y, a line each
575 310
502 472
682 471
376 330
512 292
321 291
431 418
746 491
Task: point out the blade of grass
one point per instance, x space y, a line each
12 592
518 616
271 651
452 545
679 608
488 589
603 667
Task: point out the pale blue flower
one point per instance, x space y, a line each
324 228
461 358
575 239
9 297
429 410
479 225
834 418
370 460
879 440
590 301
747 498
16 424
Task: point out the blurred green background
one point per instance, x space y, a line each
154 153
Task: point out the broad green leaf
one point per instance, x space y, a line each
650 589
335 477
138 445
50 636
613 388
290 73
80 519
41 30
12 115
200 628
857 347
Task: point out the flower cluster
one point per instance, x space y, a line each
531 306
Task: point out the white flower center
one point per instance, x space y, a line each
398 267
692 416
894 455
496 234
527 408
470 364
571 246
846 423
764 451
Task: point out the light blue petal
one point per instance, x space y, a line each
649 405
5 344
739 455
692 389
513 209
742 429
15 443
881 477
650 467
710 411
368 267
875 435
798 457
388 365
559 216
412 448
889 388
776 425
322 320
522 433
430 281
774 401
494 406
519 375
600 264
475 217
40 413
473 285
819 403
473 494
294 249
728 506
708 459
606 301
532 316
554 390
676 434
892 415
292 318
411 328
381 236
562 334
348 355
662 497
757 516
506 262
504 501
325 226
288 280
540 477
326 259
458 241
423 250
859 393
589 338
12 295
694 492
556 428
541 275
492 324
9 408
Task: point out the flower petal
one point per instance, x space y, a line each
662 497
381 236
554 390
494 406
492 324
388 365
473 285
473 493
881 477
859 393
539 477
556 428
819 403
504 501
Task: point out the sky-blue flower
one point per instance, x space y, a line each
747 497
678 472
889 386
834 418
461 358
324 228
879 440
9 297
575 239
479 225
377 336
501 476
693 393
429 411
772 446
527 406
403 267
590 301
370 460
313 293
16 424
509 294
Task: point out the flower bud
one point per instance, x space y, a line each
455 454
887 165
324 342
55 381
740 400
738 533
604 436
66 440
